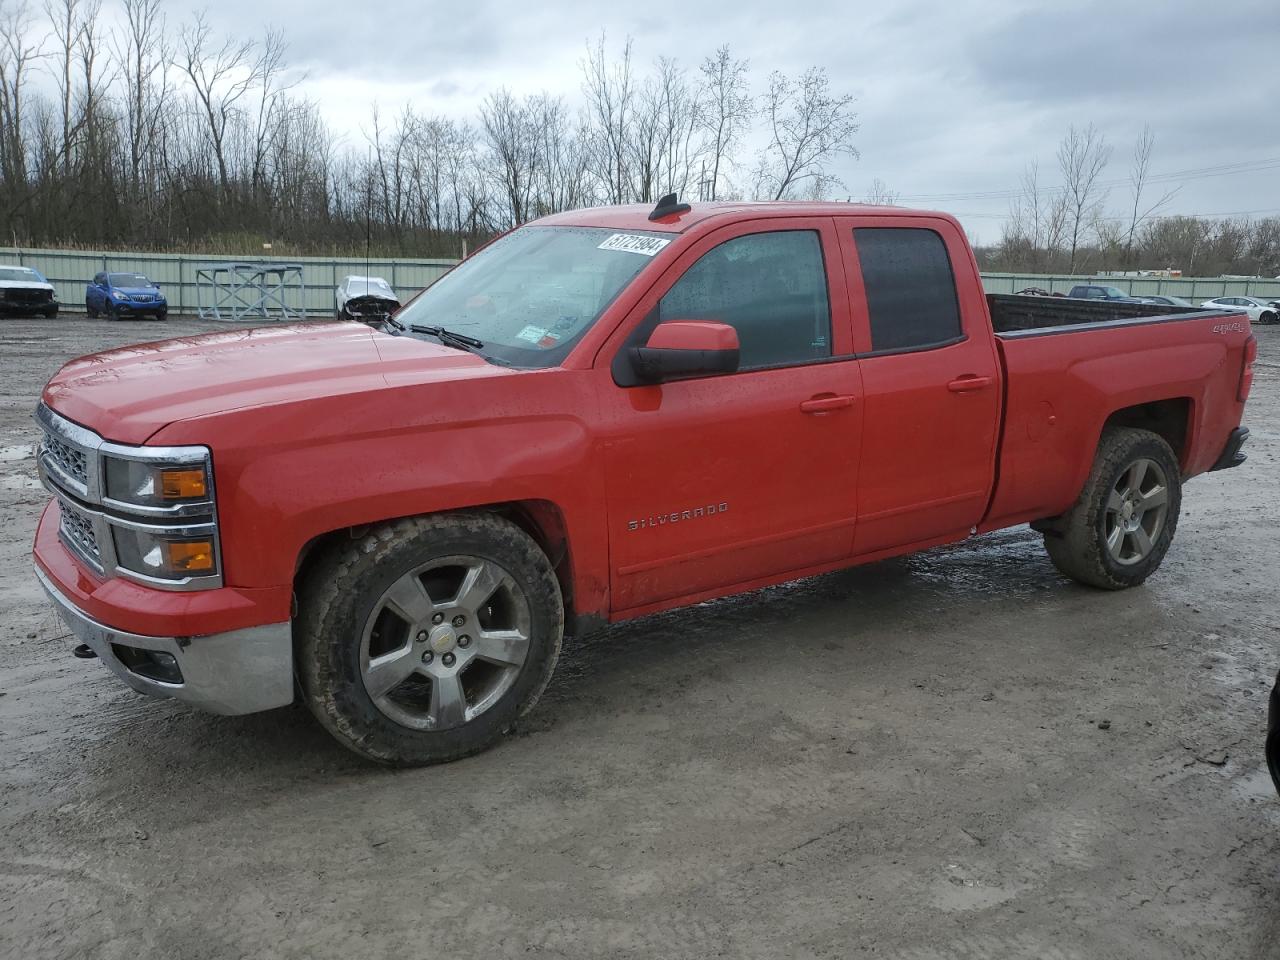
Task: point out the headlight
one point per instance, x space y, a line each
162 514
119 296
157 484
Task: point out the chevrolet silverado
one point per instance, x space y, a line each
602 414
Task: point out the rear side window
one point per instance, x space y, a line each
910 288
770 287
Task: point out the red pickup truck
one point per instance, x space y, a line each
601 414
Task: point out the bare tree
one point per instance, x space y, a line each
18 53
610 95
808 128
513 144
1082 157
1139 172
880 194
220 77
725 112
142 54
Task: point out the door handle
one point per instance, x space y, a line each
825 404
969 383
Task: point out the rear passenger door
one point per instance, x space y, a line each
930 377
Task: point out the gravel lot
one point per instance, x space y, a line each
959 754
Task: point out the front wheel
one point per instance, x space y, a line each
425 640
1118 531
1267 317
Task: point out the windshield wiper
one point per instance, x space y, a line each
459 340
391 321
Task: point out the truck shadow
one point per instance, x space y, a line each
858 615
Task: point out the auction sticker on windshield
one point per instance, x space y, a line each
634 243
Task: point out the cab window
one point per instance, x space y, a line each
910 288
770 287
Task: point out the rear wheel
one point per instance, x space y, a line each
1120 528
91 310
425 640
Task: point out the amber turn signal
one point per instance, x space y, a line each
182 484
190 555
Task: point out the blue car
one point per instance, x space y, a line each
117 295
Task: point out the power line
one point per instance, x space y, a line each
1193 173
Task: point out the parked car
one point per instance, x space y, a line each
1273 735
1095 292
24 292
365 300
603 414
1165 300
119 295
1259 309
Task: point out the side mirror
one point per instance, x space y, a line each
686 348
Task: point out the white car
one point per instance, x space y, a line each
365 300
1259 309
25 293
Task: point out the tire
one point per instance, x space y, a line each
51 314
1096 542
111 312
90 310
1267 317
162 315
349 627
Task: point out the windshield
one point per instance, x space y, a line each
129 280
20 274
1115 292
368 286
530 295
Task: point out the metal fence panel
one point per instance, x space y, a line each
1195 289
70 270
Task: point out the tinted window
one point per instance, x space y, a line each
911 291
770 287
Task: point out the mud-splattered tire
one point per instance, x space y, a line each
1120 528
465 597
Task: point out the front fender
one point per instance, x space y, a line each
290 473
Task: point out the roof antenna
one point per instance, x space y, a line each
669 206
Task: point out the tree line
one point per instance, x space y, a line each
160 135
1087 223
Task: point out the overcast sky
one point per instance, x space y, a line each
953 98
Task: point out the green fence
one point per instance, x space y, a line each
70 270
1194 289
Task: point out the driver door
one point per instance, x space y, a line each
724 481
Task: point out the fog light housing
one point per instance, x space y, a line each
162 555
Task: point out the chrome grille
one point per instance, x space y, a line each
78 531
72 461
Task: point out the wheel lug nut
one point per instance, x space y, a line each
459 620
422 636
464 641
428 656
447 659
437 618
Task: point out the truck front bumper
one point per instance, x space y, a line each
239 671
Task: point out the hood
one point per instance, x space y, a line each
128 394
133 291
25 285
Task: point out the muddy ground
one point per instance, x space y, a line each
959 754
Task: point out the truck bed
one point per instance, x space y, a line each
1015 314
